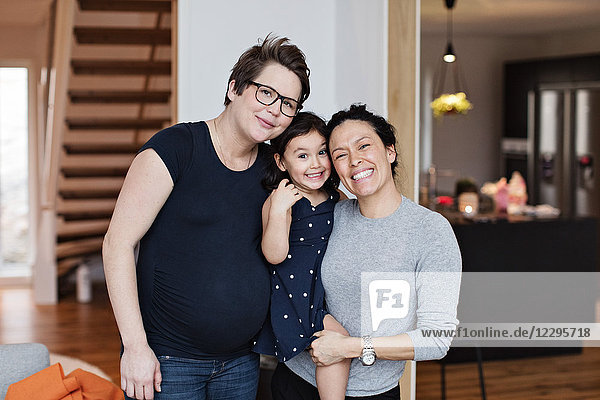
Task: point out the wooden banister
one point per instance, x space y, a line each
44 274
57 99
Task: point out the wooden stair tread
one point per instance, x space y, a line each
90 184
95 165
116 123
122 36
96 160
86 207
101 148
78 247
125 5
97 141
119 96
121 67
97 136
90 187
67 265
106 171
75 228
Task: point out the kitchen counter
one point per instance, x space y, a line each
528 245
458 218
525 245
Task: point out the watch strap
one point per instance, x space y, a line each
367 342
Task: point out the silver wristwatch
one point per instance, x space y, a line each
368 355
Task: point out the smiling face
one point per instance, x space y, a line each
255 121
362 160
306 161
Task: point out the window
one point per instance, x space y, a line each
14 193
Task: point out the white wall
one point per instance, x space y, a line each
470 145
567 43
344 42
361 54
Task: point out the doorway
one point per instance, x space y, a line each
15 252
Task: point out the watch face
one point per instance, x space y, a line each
368 358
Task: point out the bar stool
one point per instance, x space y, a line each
479 367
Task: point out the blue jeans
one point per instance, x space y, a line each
187 379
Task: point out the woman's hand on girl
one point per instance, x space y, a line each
330 347
284 197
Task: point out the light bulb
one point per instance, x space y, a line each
449 58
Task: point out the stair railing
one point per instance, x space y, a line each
44 273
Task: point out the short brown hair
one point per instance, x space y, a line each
272 49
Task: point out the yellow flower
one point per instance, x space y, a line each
447 103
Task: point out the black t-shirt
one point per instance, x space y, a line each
203 282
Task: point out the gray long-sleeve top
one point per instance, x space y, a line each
387 276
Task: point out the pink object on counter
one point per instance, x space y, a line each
501 197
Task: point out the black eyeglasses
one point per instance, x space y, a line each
267 95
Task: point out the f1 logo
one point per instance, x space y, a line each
389 299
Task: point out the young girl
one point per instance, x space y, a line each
297 221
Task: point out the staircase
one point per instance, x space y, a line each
119 95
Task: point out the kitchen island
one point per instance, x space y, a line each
524 244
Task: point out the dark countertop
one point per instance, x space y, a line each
523 244
458 218
533 245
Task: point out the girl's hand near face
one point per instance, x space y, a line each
277 217
284 197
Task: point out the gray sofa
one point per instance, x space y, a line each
18 361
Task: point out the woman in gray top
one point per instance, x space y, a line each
391 271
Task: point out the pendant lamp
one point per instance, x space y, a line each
451 97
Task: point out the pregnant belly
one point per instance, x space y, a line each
213 313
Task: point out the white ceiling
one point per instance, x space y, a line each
511 17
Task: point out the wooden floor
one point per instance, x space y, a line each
85 331
89 332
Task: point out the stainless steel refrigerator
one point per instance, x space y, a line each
564 148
